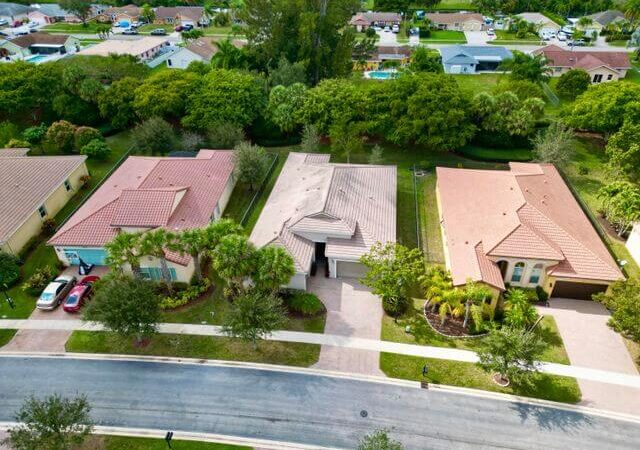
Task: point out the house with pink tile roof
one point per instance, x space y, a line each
328 215
521 227
602 66
147 193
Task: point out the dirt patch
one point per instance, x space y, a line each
608 228
452 327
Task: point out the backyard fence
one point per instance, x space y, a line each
259 191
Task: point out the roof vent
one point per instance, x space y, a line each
504 213
466 242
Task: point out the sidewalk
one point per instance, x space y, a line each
583 373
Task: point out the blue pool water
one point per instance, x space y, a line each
35 58
382 75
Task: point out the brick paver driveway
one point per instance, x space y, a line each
352 310
591 343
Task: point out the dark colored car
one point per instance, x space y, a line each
80 292
179 28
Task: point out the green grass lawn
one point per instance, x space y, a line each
91 27
589 154
474 84
201 347
219 31
503 36
149 27
465 5
445 36
618 43
423 334
98 442
633 74
431 236
6 336
469 375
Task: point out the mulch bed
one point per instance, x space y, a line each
452 327
608 228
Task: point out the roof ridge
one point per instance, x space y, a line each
57 236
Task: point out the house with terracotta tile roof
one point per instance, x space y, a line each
602 66
364 20
521 227
146 193
181 15
328 215
34 189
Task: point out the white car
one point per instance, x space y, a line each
562 37
387 29
491 32
55 292
395 29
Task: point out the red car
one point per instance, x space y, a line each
80 292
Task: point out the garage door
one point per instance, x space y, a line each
349 269
581 291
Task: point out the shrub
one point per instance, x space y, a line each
304 303
9 269
48 226
38 280
191 142
542 294
96 149
523 89
224 135
61 135
17 143
84 135
583 169
84 181
370 32
573 83
35 135
395 306
187 295
8 131
154 135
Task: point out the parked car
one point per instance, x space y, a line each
159 32
395 28
387 29
578 43
3 23
562 37
491 32
187 27
55 292
130 31
22 33
179 28
80 292
135 24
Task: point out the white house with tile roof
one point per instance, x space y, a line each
34 189
147 193
328 215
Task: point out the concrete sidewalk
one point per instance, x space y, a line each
584 373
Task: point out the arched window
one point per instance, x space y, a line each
518 269
534 278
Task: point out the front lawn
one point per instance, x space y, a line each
445 36
503 36
455 5
149 27
91 27
469 375
99 442
422 334
200 347
6 336
213 30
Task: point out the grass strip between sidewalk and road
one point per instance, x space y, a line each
101 442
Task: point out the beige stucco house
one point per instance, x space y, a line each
146 193
328 215
602 66
34 189
520 227
460 21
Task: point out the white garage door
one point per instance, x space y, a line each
349 269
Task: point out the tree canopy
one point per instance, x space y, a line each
623 299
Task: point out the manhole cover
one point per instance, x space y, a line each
364 413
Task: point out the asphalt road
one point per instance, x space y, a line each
301 408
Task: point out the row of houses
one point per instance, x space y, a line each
519 227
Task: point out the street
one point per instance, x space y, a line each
301 408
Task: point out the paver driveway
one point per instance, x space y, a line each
352 310
591 343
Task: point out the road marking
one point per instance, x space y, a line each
331 374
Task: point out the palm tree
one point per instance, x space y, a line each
519 312
228 56
274 268
451 305
192 243
435 282
123 250
215 231
234 259
584 22
475 295
632 11
153 243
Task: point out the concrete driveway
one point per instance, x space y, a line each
477 37
591 343
352 310
387 38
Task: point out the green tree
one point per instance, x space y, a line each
124 305
621 204
215 231
554 145
379 440
523 89
165 93
154 135
28 89
234 260
154 243
519 312
512 353
96 149
377 155
392 270
526 67
9 270
425 60
123 249
229 56
191 35
286 73
60 135
254 315
573 83
226 96
623 299
223 134
147 13
284 105
83 135
193 243
251 163
363 50
623 151
604 107
53 423
632 11
35 135
79 8
274 268
310 139
116 104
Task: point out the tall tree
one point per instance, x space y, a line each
284 105
526 67
234 260
215 231
164 94
154 135
123 249
254 315
53 423
573 83
116 104
251 162
147 13
229 56
623 299
127 306
154 243
553 145
79 8
623 150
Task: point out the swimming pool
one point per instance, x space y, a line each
381 75
36 58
